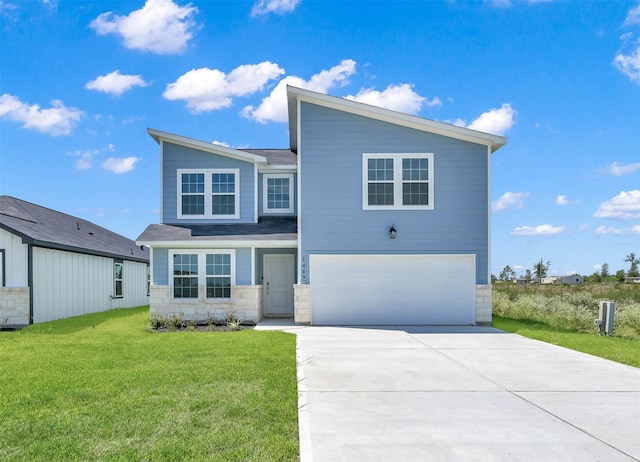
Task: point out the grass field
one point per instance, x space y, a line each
619 349
106 387
570 307
564 315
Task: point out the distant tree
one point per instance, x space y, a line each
540 269
507 274
494 279
604 270
595 278
527 275
620 275
633 271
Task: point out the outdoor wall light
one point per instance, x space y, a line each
392 232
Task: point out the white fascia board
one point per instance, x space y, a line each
204 146
299 195
219 244
495 142
278 169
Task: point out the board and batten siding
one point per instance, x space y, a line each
69 284
15 260
333 220
175 157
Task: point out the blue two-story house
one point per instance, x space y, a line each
371 217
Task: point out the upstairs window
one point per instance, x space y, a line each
397 181
277 193
208 193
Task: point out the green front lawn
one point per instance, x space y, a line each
620 349
106 387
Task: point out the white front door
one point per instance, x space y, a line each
278 284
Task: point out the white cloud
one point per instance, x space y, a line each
561 199
221 143
399 97
624 206
207 89
618 231
629 64
115 83
500 3
119 165
274 6
85 159
617 169
274 107
509 201
496 121
633 16
160 26
57 120
540 230
582 228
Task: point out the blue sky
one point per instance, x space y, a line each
82 80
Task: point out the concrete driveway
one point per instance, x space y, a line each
460 394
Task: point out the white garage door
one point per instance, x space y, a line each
392 289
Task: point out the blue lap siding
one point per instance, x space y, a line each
180 157
333 219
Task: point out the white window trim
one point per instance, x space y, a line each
265 201
208 193
115 280
397 180
202 271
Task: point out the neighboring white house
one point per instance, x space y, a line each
54 265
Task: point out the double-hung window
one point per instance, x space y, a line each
211 269
185 275
208 193
118 279
397 181
219 275
277 191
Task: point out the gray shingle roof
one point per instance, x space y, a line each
44 227
272 229
275 156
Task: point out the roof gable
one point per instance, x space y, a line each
295 95
212 148
44 227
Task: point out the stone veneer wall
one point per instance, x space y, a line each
302 303
14 306
246 304
484 302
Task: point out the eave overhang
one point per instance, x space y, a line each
295 95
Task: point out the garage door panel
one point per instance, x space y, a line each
392 289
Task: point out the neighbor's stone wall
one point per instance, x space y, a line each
246 304
14 306
302 303
484 302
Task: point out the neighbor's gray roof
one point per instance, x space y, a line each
275 156
44 227
272 229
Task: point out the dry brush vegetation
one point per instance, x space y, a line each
570 307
